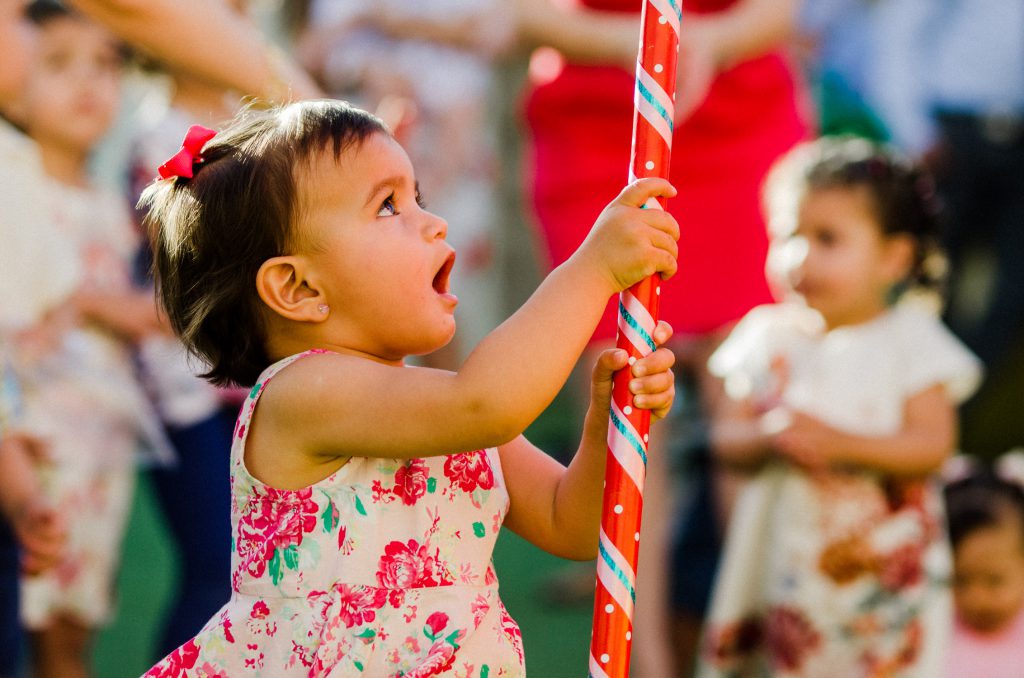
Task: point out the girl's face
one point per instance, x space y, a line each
989 582
73 88
837 259
381 259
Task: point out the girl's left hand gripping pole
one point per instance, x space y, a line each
638 314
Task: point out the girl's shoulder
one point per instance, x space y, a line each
273 370
762 333
928 352
781 318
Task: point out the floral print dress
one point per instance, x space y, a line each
844 572
382 569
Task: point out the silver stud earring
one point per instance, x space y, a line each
323 308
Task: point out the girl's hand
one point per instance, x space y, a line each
768 396
652 383
628 243
42 534
807 442
47 335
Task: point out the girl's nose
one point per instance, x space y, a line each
435 227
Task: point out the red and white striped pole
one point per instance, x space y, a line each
628 427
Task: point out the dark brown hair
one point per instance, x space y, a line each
211 233
902 194
981 500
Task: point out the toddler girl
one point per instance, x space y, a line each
842 403
985 510
293 253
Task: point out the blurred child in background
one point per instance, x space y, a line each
985 508
73 360
842 403
24 514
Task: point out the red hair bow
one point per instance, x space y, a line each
180 164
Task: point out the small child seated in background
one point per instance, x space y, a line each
985 509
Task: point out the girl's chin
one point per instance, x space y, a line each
440 343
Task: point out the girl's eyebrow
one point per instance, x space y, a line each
396 181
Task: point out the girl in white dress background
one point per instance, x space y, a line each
843 406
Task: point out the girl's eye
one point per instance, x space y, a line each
827 238
419 198
388 208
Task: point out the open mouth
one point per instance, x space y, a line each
442 277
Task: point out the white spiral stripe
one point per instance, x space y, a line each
633 337
625 452
615 586
641 316
656 118
652 86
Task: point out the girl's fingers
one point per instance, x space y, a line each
654 383
640 191
660 403
662 333
608 362
661 360
662 221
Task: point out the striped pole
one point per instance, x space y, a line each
638 313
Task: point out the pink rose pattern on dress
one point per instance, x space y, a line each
175 665
411 481
409 565
469 470
402 529
270 529
511 630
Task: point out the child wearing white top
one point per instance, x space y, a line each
842 402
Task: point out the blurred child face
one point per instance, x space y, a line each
989 584
838 259
18 39
382 259
73 88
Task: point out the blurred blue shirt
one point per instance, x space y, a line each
957 56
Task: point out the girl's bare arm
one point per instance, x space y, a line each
347 405
206 39
559 509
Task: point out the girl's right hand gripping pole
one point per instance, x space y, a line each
638 314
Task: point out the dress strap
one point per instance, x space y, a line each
249 406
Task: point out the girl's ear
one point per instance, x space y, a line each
899 256
285 288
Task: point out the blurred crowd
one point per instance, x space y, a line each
517 116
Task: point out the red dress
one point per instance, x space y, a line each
581 123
